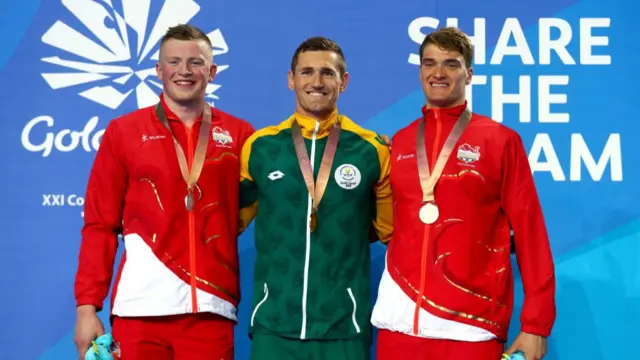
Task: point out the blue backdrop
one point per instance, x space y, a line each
560 72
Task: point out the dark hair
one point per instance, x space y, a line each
185 32
320 43
451 39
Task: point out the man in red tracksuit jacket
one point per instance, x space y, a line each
166 177
447 288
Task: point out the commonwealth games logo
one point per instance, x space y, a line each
109 51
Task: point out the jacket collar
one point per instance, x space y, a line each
311 126
170 114
445 114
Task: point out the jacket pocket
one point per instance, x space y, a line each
353 312
255 311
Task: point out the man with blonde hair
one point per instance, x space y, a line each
166 177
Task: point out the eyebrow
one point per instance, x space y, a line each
446 60
180 58
321 68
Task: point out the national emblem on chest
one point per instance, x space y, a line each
468 155
223 154
471 156
222 137
471 170
222 144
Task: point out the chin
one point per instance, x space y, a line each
439 95
186 96
316 108
438 99
441 102
320 112
319 109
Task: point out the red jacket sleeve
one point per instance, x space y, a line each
533 252
247 131
103 209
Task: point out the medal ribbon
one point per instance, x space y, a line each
190 177
428 182
316 189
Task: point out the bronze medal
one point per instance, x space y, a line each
315 188
313 221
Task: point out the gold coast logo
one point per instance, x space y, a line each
347 176
109 54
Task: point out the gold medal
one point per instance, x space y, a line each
429 213
313 221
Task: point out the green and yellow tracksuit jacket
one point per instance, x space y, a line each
314 285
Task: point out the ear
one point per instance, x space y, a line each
213 70
159 71
345 82
290 78
469 76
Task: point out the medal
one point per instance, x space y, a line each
313 221
190 177
429 213
188 201
315 188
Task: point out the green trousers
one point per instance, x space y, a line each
273 347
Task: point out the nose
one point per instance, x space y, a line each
438 72
316 81
185 68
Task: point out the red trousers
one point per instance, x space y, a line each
178 337
394 346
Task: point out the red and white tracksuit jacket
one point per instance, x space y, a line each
176 261
461 271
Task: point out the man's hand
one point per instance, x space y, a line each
386 140
88 328
534 347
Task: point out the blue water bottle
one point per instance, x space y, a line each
518 355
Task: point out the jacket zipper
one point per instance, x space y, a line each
427 228
192 234
266 296
305 284
355 309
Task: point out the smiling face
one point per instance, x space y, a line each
185 68
317 82
444 76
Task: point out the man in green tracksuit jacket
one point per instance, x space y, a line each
318 187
